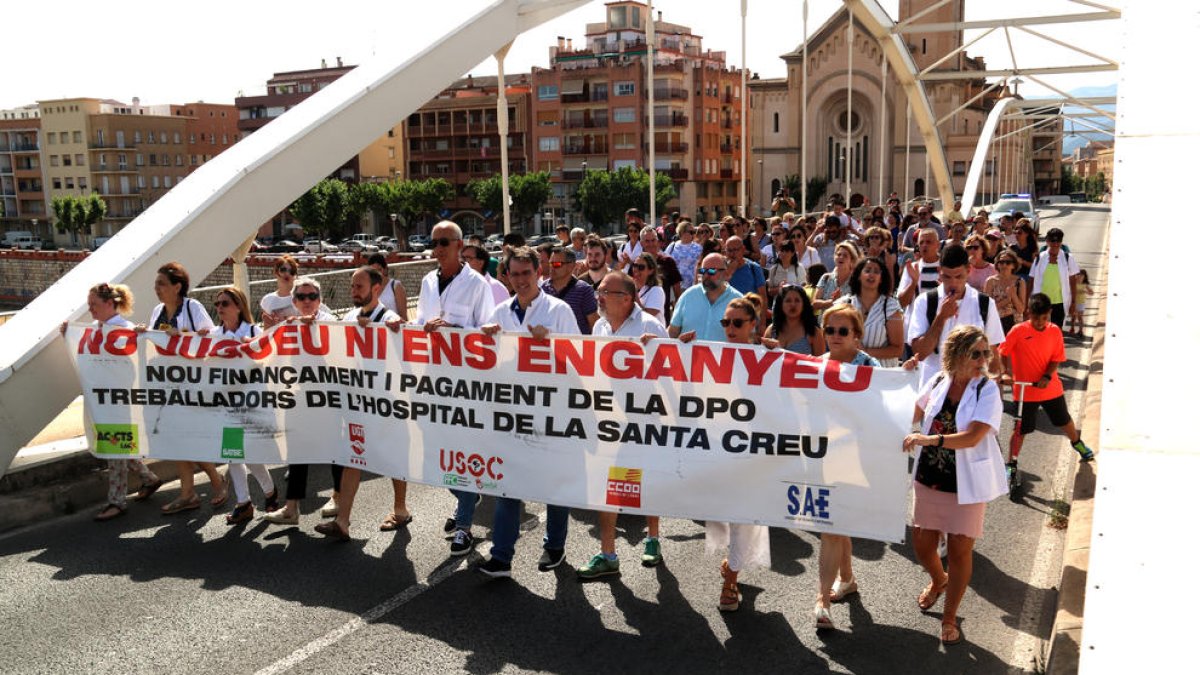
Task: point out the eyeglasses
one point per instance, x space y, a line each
778 233
977 354
639 267
221 304
442 241
737 323
605 294
710 271
285 270
306 296
469 258
557 263
837 330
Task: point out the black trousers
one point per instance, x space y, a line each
297 483
1058 314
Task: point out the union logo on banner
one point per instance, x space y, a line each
358 443
624 487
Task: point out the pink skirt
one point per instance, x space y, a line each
936 510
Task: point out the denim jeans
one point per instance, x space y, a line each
465 513
507 528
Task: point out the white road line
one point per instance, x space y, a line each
374 614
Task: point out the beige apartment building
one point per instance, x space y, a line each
22 197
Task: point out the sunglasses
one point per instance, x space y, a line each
220 304
557 263
442 241
977 354
837 330
638 267
307 296
737 323
973 247
285 270
709 271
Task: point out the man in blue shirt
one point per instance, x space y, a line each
746 276
700 309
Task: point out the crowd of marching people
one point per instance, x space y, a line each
973 309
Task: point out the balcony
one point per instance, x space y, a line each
108 168
726 173
676 174
671 120
111 145
667 147
585 123
726 124
586 149
726 148
670 94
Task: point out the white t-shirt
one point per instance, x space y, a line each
545 310
638 324
653 297
968 314
119 321
388 297
632 249
243 331
467 301
191 316
380 314
279 305
499 290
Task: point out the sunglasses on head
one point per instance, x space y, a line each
837 330
737 323
307 296
442 241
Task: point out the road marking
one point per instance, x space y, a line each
375 613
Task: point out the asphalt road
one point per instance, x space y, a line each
186 593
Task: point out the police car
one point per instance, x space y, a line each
1011 204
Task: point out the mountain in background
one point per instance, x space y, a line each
1070 143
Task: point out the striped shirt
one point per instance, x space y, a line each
875 324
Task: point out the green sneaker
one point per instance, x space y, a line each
598 566
1085 453
653 553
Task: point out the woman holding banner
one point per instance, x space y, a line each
843 325
959 468
237 323
109 304
176 313
794 323
746 546
277 306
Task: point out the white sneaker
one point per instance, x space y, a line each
942 545
330 510
281 517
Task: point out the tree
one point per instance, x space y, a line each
529 192
415 198
604 196
816 190
324 209
78 214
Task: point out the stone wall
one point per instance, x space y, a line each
26 274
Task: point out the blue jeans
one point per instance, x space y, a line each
507 528
465 513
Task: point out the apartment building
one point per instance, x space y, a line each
591 111
22 197
455 136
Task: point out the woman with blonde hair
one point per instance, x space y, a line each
959 468
836 283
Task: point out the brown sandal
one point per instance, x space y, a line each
333 530
731 598
929 597
394 522
146 490
181 504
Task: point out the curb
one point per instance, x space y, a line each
1066 636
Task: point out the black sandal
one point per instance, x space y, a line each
240 514
272 501
146 490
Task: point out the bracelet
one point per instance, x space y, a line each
941 441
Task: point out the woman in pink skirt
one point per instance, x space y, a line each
959 468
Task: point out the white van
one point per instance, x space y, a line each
21 239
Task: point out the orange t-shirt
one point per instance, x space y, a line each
1030 352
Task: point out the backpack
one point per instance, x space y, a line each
931 308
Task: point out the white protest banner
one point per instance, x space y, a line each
706 431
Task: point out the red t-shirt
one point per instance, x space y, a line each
1030 352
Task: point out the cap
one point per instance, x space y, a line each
994 234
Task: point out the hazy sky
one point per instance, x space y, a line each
213 51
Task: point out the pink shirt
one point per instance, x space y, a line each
978 276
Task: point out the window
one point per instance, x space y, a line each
195 161
154 182
776 115
70 183
620 163
82 183
153 159
138 159
53 160
178 159
960 168
623 115
176 138
66 160
548 143
224 139
57 183
62 137
547 92
624 88
192 138
78 160
166 181
77 136
624 141
50 139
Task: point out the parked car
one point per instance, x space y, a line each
319 246
356 246
422 239
21 239
285 246
389 244
1015 203
99 241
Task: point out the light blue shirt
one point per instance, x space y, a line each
695 312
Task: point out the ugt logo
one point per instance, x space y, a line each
358 444
807 502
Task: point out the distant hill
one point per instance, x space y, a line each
1070 143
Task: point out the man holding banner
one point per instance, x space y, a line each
541 315
622 318
454 296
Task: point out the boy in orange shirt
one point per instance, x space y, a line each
1031 353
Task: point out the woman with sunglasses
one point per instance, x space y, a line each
109 304
307 298
979 270
843 328
882 334
879 245
959 468
786 270
650 295
807 255
794 323
236 323
835 284
746 547
277 306
176 313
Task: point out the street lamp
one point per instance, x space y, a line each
582 176
762 186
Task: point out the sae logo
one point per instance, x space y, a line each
117 439
233 443
808 502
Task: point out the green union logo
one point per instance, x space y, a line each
233 443
117 439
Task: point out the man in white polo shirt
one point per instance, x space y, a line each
454 296
530 312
